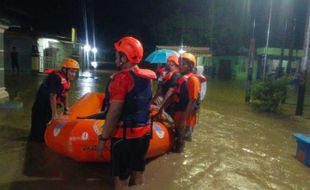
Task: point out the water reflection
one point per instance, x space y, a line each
57 171
232 148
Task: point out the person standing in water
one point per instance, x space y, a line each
186 96
53 92
127 120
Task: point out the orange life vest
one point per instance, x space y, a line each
180 96
168 76
66 86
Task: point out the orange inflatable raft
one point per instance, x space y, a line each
78 138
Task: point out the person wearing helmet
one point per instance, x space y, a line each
199 71
185 96
166 88
127 122
52 92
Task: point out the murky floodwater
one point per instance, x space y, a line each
232 148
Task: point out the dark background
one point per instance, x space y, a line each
223 25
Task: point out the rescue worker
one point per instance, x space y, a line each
160 73
199 70
186 96
53 92
169 83
127 122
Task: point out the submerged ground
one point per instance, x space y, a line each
233 147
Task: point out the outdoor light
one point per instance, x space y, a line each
94 50
87 48
181 51
45 42
86 74
94 64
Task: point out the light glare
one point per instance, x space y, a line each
94 64
87 48
94 50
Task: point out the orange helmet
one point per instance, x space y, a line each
189 57
174 58
70 64
131 47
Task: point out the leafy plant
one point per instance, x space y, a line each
269 94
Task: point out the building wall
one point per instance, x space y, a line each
52 52
234 66
4 96
23 44
1 60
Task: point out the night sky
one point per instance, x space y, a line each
109 20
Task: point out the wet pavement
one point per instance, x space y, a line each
233 147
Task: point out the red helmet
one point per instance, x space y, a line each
131 47
174 58
189 57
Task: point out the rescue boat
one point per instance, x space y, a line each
78 138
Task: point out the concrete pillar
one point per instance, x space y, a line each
4 95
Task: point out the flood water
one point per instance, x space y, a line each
233 147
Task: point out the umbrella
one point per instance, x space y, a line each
160 56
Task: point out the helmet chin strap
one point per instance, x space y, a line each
65 71
121 63
119 66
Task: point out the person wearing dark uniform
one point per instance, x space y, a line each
14 60
52 92
170 82
127 121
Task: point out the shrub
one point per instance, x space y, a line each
269 94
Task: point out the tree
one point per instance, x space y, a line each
220 24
